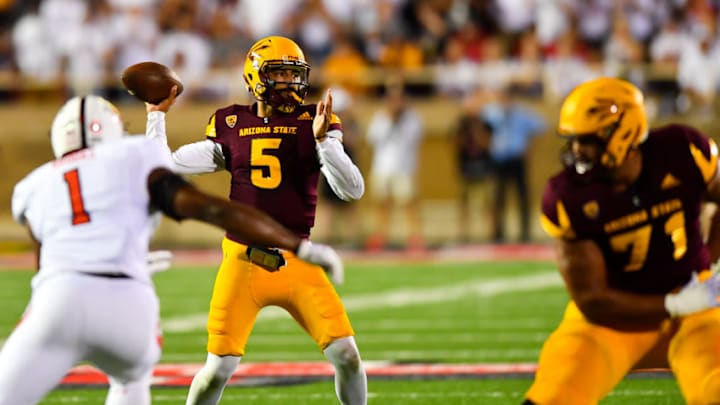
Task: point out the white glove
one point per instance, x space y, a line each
325 257
695 296
159 260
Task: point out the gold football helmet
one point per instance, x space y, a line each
282 54
610 110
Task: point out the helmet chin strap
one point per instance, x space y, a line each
294 95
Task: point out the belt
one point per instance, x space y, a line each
268 258
106 275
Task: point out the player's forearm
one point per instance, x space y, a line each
342 174
623 310
242 220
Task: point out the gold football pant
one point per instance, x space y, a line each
242 289
580 363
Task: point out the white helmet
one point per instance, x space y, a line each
84 122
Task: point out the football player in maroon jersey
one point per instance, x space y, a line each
275 150
625 213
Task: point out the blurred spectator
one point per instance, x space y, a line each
553 19
472 146
456 73
623 55
526 65
136 32
315 29
515 16
664 53
343 221
262 18
594 22
346 66
399 52
180 46
395 132
566 67
494 71
227 41
513 128
698 74
36 57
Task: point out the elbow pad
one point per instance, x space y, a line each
163 191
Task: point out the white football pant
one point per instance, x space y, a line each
109 322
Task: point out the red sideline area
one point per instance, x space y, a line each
459 253
182 374
174 375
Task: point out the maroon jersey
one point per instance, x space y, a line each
649 234
273 162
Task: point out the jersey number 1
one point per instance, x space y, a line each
79 215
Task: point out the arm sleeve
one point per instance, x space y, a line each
155 127
341 173
200 157
20 198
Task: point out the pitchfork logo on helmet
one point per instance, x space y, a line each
84 122
277 53
608 110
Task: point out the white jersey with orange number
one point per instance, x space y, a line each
91 209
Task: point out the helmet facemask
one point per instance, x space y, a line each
289 93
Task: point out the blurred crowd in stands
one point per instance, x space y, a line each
539 47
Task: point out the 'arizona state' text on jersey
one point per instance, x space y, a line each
644 233
273 162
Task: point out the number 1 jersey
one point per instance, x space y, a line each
90 210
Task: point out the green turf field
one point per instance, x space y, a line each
430 312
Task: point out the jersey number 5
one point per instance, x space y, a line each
79 215
639 239
265 172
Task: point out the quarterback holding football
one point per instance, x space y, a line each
275 151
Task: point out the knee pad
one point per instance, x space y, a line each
343 353
219 368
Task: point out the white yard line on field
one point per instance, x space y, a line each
481 287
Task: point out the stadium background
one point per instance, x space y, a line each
477 304
453 54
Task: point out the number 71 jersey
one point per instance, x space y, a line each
90 210
649 234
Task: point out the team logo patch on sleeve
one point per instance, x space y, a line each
231 120
305 116
591 209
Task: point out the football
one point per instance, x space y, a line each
150 81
